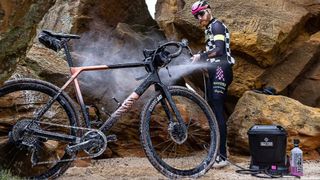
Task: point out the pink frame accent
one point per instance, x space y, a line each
75 71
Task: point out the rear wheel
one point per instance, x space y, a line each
171 151
19 101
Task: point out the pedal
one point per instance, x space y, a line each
112 138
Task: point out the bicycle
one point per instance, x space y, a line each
40 131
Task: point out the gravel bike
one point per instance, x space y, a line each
41 133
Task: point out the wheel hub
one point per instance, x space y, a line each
177 133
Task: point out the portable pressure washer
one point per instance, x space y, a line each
267 145
268 149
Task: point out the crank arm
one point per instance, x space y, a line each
77 147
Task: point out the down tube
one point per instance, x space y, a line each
127 104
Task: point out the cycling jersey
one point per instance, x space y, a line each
217 39
218 54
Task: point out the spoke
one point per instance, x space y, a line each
196 139
175 150
202 142
175 153
203 135
12 159
162 143
13 148
189 146
167 147
4 140
189 123
195 122
172 149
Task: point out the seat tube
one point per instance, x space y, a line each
68 55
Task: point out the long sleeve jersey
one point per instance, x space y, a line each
217 39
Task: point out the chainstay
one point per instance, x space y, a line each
65 160
70 159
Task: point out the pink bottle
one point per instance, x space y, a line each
296 162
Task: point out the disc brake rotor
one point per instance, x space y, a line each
176 133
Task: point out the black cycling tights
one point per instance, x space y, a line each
220 77
217 106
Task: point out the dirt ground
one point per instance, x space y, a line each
140 168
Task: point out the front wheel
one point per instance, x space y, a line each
190 156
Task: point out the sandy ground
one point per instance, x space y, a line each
140 168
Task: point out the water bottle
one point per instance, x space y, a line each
296 163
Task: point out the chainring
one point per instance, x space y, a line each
99 144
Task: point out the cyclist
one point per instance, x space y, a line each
218 56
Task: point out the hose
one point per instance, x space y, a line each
260 173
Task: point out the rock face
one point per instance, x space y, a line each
300 121
17 20
272 46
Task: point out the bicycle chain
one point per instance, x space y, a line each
65 160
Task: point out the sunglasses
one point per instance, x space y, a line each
200 13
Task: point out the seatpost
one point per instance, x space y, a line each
67 52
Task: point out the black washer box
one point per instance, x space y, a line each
267 147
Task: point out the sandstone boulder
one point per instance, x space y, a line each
307 86
300 121
18 20
301 59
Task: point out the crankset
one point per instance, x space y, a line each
93 143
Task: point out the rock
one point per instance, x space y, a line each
17 20
61 17
306 90
109 13
47 65
300 121
244 77
307 86
302 55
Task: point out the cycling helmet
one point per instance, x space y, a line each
198 6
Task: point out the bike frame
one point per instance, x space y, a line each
151 79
